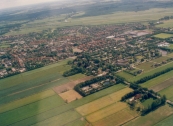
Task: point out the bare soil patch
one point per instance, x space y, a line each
70 85
70 96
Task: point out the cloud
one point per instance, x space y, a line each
14 3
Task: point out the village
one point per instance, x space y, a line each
98 49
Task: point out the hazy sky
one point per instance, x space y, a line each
14 3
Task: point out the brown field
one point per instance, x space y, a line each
70 96
116 119
106 111
70 85
102 102
163 85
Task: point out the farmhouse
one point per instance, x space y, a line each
163 44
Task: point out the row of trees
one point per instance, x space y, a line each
144 79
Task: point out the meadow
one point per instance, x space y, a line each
145 66
160 59
107 111
156 81
166 24
125 75
166 122
168 92
118 118
163 35
118 17
153 117
64 108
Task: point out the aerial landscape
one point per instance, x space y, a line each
86 63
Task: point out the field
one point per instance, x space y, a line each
166 122
79 122
125 75
163 67
27 100
166 24
168 92
147 102
145 66
118 118
171 46
102 102
163 35
152 118
156 81
70 96
109 110
66 107
76 77
61 119
117 17
70 85
159 60
163 85
30 110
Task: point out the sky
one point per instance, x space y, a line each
14 3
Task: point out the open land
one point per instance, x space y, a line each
152 118
163 35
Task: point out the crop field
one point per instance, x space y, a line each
66 107
163 35
27 100
102 102
168 92
145 66
157 80
70 96
109 110
29 110
116 119
163 85
41 75
166 24
153 117
61 119
166 122
159 60
76 77
79 122
125 75
163 67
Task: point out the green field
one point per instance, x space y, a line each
61 109
79 122
76 77
163 35
125 75
152 118
166 24
147 102
61 119
168 92
159 60
117 17
41 75
161 68
166 122
157 80
27 100
171 46
30 110
145 66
